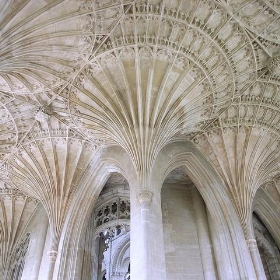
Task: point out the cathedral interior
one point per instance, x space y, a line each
139 139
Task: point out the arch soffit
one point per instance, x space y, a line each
264 243
111 159
205 178
210 186
268 213
116 159
184 153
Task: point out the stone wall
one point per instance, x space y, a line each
36 258
182 252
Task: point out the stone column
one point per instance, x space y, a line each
203 232
81 265
256 258
221 262
144 198
95 257
38 228
52 259
147 256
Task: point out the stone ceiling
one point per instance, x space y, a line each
178 176
139 74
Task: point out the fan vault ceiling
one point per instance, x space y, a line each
78 75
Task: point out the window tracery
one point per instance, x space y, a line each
113 210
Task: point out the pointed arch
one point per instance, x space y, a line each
234 262
111 159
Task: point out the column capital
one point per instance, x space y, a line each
52 255
145 196
251 243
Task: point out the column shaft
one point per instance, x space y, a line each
256 258
146 235
36 247
220 260
144 199
205 243
95 258
52 258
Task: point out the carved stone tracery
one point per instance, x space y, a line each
116 209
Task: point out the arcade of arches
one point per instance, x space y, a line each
139 139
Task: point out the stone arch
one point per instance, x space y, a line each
118 258
268 249
112 159
234 260
267 211
265 244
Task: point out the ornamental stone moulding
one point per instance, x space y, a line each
252 244
274 65
145 196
